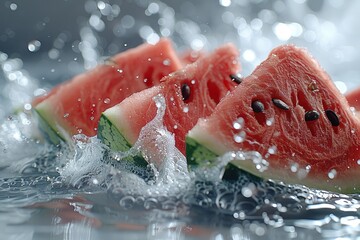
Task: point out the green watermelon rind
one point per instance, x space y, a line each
110 135
197 155
50 132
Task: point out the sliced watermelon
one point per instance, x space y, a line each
75 106
190 93
290 112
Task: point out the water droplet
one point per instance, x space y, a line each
294 167
358 161
240 137
332 174
13 6
107 100
95 181
167 62
186 109
272 149
175 126
246 192
225 3
34 45
193 81
238 123
66 115
149 59
27 106
92 118
119 70
270 121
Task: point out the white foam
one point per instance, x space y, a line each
17 147
86 165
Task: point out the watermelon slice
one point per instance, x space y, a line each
190 93
75 106
290 112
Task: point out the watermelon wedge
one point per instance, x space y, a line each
75 106
189 93
290 112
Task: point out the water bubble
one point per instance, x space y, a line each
193 81
153 8
34 45
167 62
66 115
238 123
270 121
186 109
53 53
272 150
13 6
358 162
27 106
294 167
225 3
332 174
107 100
240 137
247 191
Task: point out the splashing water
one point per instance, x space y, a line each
80 185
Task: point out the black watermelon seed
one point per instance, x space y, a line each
311 115
235 78
280 104
257 106
185 91
333 118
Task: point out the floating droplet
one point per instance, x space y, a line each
167 62
272 149
238 123
34 45
270 121
294 167
332 174
240 137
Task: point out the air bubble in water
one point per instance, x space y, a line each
186 109
358 161
107 100
332 174
34 45
66 115
193 81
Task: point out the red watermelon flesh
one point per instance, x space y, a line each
75 106
353 97
204 84
311 130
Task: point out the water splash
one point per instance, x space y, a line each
157 145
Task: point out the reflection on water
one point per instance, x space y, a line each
72 192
